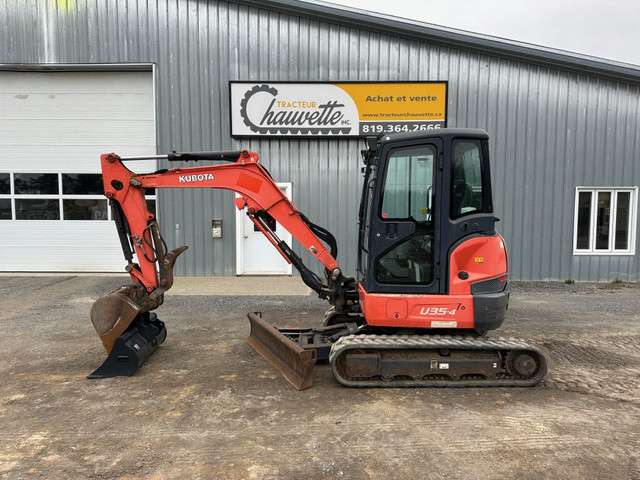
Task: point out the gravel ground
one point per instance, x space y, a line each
205 405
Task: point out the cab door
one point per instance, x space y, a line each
400 238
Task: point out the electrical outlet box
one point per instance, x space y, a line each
216 228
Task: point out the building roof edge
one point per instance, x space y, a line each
450 37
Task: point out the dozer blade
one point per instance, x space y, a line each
133 347
292 361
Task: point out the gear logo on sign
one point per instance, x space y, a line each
266 114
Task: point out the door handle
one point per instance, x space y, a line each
391 230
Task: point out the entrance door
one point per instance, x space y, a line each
255 254
399 233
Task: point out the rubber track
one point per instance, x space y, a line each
413 342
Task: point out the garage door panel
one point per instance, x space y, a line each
61 123
80 153
74 132
82 159
66 246
76 105
20 83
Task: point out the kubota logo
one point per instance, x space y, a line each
263 112
201 177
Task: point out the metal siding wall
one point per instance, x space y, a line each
551 130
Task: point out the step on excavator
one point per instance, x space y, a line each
431 276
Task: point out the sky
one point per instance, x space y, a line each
606 29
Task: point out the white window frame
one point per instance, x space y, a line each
633 217
60 197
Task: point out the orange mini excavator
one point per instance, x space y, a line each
431 275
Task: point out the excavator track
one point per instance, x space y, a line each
435 361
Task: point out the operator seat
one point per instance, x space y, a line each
462 197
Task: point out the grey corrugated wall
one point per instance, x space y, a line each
552 129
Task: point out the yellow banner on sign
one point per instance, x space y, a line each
398 101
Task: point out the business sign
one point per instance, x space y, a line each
336 109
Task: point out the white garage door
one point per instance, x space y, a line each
53 128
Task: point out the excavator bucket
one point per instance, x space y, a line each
292 361
112 314
132 348
127 330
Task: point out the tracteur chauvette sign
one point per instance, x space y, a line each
336 109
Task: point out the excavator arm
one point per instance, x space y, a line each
150 265
259 194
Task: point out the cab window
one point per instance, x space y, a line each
466 179
408 184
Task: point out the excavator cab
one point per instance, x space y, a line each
427 229
413 188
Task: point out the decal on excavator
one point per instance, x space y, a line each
436 324
437 311
195 178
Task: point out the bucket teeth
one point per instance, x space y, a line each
291 360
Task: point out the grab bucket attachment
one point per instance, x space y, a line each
133 347
292 361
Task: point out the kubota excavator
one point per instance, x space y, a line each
431 274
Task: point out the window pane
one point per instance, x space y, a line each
410 262
584 220
82 184
37 209
151 206
366 218
5 209
36 183
622 221
466 186
408 185
603 215
5 187
84 209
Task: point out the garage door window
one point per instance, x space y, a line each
55 196
76 205
5 209
5 184
5 198
36 196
